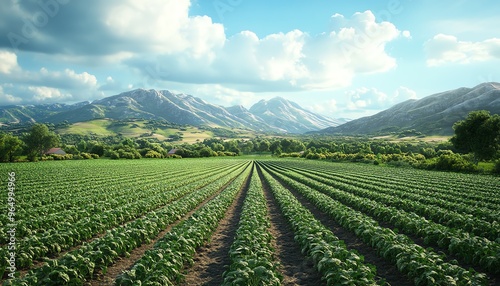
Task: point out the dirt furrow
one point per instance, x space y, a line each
385 269
125 263
295 267
211 260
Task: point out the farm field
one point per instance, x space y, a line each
247 221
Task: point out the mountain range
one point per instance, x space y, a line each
274 115
431 115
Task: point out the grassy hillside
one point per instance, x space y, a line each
150 129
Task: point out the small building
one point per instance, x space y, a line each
57 151
172 152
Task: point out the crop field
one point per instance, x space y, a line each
239 221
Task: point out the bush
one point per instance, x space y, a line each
85 155
174 156
496 168
450 162
114 155
153 154
62 157
129 154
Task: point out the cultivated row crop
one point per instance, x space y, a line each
425 266
471 249
252 256
337 265
162 265
77 266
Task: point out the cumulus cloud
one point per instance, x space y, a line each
326 107
6 99
48 94
287 61
366 98
221 95
403 93
44 85
373 99
442 49
194 49
165 45
8 62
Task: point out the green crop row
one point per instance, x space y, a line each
447 186
105 193
252 256
407 202
476 250
99 216
424 266
77 266
337 264
162 265
67 235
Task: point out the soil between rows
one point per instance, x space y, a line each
37 263
209 260
492 277
385 269
125 263
295 267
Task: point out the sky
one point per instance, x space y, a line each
340 59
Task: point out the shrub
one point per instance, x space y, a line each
454 162
113 155
175 156
84 155
496 168
153 154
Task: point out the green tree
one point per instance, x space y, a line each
275 146
217 147
39 140
9 146
82 146
478 134
264 146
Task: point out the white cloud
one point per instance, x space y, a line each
403 93
373 99
442 49
218 94
366 98
289 61
326 107
167 46
6 99
8 62
47 94
45 86
169 30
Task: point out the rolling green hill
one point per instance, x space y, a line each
149 129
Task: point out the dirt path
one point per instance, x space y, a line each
125 263
211 259
385 269
296 268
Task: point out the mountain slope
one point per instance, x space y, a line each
432 115
275 115
34 113
281 112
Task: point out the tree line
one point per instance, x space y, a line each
477 138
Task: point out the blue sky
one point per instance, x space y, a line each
336 58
